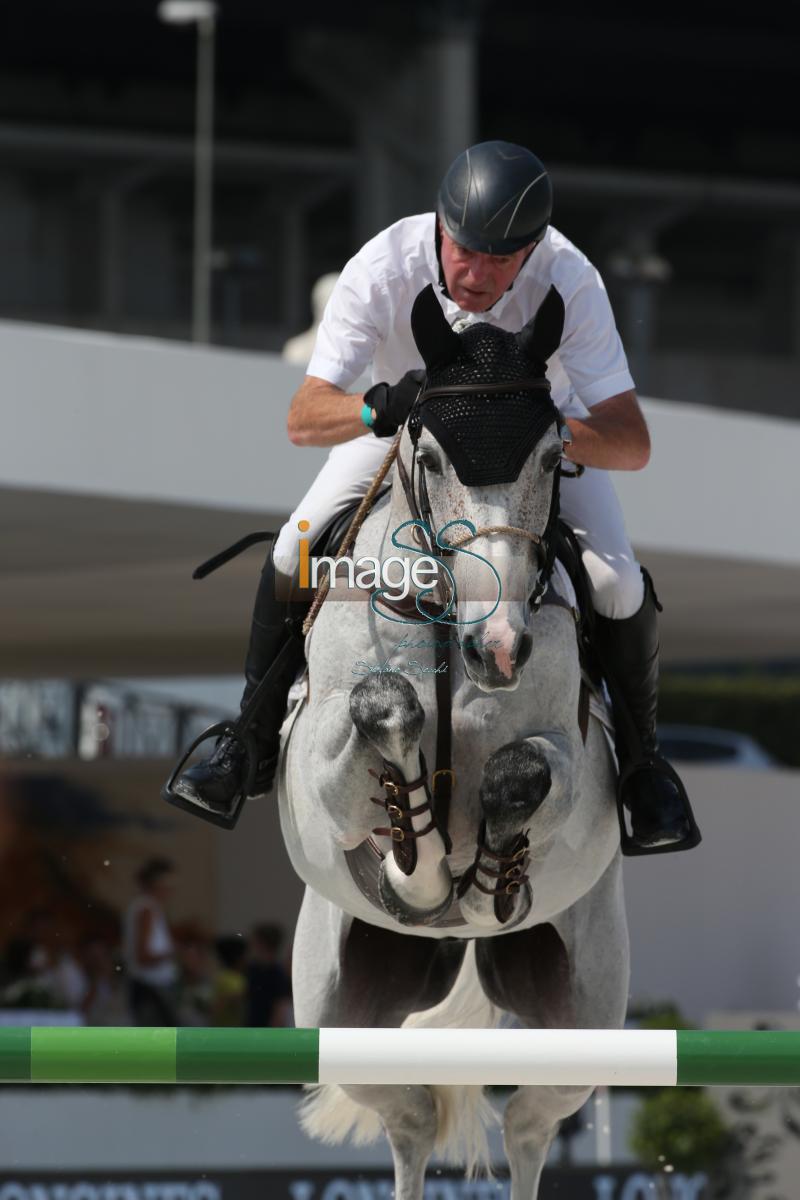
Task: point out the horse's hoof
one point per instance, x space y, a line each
403 913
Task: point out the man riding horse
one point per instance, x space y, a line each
494 256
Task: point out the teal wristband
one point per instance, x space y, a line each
367 417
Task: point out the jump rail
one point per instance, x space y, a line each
641 1058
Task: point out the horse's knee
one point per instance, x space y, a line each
617 586
386 710
533 1114
515 781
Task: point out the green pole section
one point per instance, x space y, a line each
15 1054
248 1056
134 1055
102 1055
764 1057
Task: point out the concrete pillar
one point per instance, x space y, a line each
639 271
413 110
112 196
781 294
295 269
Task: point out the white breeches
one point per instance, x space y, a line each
588 504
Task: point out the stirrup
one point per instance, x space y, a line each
241 730
223 820
629 846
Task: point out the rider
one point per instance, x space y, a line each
493 254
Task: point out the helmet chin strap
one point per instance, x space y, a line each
443 282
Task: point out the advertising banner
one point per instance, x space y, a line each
576 1183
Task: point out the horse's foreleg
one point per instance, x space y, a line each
416 885
522 790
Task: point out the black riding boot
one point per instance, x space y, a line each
661 816
244 760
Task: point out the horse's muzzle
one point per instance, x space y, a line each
494 663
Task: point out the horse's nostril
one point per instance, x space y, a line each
524 649
471 651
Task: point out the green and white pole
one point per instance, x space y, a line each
631 1058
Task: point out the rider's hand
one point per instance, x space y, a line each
393 402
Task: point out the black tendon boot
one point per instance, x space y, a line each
661 816
246 754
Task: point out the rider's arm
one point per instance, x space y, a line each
322 414
613 436
356 318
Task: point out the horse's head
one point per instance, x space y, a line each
482 448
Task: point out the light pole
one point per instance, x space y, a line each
203 14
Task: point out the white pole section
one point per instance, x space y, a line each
499 1056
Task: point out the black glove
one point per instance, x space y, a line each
393 402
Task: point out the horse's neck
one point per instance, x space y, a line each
375 537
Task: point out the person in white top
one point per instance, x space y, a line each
148 950
298 349
494 255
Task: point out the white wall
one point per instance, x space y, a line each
142 418
147 419
713 928
717 927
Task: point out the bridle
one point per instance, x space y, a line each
415 488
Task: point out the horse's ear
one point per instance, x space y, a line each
541 337
435 339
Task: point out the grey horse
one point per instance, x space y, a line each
420 937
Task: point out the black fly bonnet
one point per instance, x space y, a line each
486 398
486 409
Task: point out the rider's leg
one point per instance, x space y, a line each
216 783
626 640
344 478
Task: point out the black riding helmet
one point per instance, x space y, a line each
495 198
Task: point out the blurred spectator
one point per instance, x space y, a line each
230 982
148 949
299 349
104 1002
40 971
195 978
21 988
53 963
269 989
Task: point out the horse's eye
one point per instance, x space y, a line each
430 462
550 462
